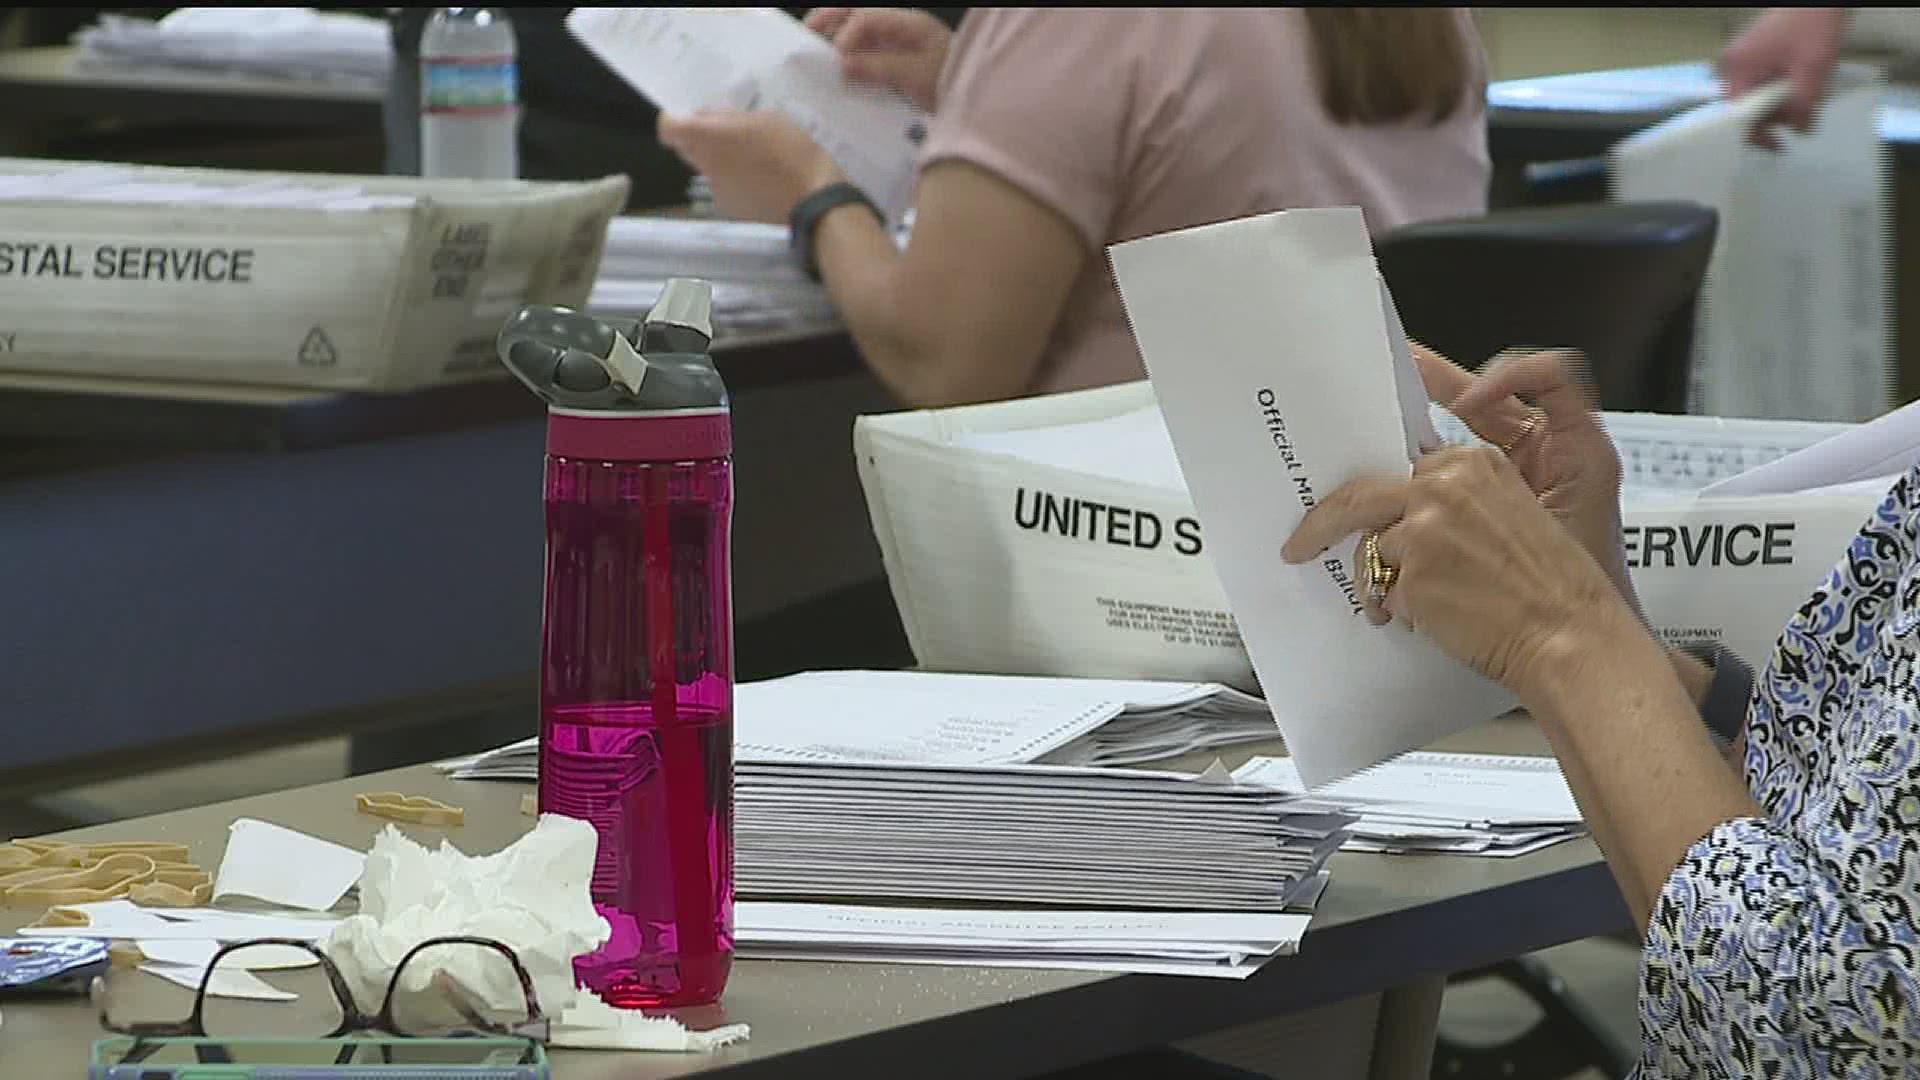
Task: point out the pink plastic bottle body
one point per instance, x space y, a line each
636 713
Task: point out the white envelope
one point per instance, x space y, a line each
1267 340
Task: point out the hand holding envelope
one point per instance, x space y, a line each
1282 373
1294 404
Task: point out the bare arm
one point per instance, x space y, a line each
1627 727
965 312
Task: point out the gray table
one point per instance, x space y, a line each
44 81
1385 921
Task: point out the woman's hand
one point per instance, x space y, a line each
1482 568
899 49
1800 45
759 164
1560 447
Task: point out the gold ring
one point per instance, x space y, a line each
1380 576
1527 427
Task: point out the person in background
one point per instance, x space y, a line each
1057 132
1802 46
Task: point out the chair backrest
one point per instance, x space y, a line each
1616 280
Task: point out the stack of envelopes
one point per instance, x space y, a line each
1460 804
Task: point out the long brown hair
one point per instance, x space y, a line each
1383 65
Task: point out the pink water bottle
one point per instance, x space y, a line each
636 664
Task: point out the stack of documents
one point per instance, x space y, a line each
1463 804
1221 944
134 184
756 283
1031 834
274 43
919 791
929 718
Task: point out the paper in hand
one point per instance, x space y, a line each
684 59
1267 340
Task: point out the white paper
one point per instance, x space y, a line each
276 864
684 59
1883 447
591 1024
1793 319
1504 788
1220 944
1271 359
260 42
181 952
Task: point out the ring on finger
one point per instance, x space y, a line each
1379 574
1527 427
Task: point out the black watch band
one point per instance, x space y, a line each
805 220
1724 710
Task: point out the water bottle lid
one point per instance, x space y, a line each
577 362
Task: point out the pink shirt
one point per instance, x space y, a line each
1135 121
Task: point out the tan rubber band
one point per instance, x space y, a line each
17 878
13 857
158 852
70 857
183 877
416 809
162 894
64 918
110 877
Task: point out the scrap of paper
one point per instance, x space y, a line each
592 1024
227 982
280 866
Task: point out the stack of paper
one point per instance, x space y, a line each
1464 804
274 43
913 788
133 184
1034 834
756 283
1232 945
929 718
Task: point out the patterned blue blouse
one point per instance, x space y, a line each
1789 946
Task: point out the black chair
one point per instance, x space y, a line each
1616 280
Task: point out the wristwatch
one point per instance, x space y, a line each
805 220
1724 710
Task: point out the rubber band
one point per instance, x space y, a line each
415 809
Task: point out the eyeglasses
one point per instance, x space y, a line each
444 986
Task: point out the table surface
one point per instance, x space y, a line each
1385 920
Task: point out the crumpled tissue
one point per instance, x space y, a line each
531 897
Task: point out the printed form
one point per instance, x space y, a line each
684 59
1282 373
